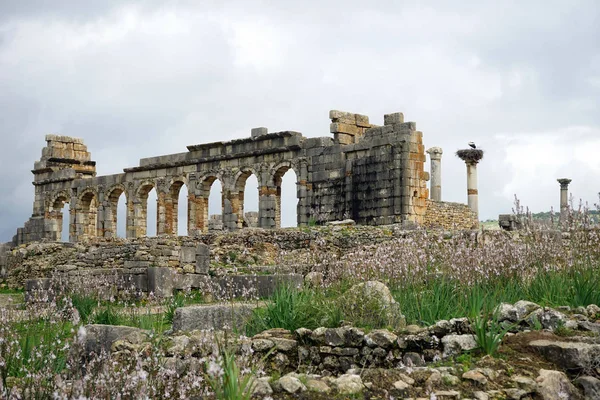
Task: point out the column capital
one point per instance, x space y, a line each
435 153
564 182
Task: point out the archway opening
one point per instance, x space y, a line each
117 219
183 212
286 204
214 212
65 224
145 211
122 217
246 196
151 213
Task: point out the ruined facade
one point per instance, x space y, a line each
372 174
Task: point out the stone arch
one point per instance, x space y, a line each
237 194
140 206
204 184
112 196
172 205
55 215
86 213
276 176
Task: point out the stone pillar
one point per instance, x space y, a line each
564 197
471 157
435 155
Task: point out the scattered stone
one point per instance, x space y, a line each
262 345
316 385
361 299
590 385
527 384
262 387
506 312
554 385
524 308
479 395
212 317
98 338
412 359
456 344
380 338
349 384
285 345
449 379
447 395
291 384
400 388
568 355
475 376
514 393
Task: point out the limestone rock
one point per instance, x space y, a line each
400 388
590 385
98 338
525 383
524 308
262 345
568 355
506 312
362 299
554 385
380 338
349 384
447 395
456 344
317 385
475 376
212 317
314 279
291 384
262 387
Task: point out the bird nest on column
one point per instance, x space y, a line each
470 155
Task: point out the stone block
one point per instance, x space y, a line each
160 281
99 338
230 316
341 116
257 132
336 127
202 258
395 118
362 121
187 255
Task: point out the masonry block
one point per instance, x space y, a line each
202 259
160 281
395 118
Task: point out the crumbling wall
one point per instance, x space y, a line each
374 174
4 248
452 216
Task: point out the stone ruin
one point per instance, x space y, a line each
371 174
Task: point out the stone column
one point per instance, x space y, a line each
471 157
564 197
435 155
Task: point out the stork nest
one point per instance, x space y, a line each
470 155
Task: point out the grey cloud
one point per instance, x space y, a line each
465 71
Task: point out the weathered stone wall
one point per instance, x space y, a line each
4 248
373 174
445 215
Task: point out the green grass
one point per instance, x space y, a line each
443 298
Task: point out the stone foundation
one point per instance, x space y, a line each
449 216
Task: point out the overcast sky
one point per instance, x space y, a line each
139 79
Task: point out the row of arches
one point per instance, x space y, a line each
150 211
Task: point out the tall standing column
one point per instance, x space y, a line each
564 197
471 157
435 155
